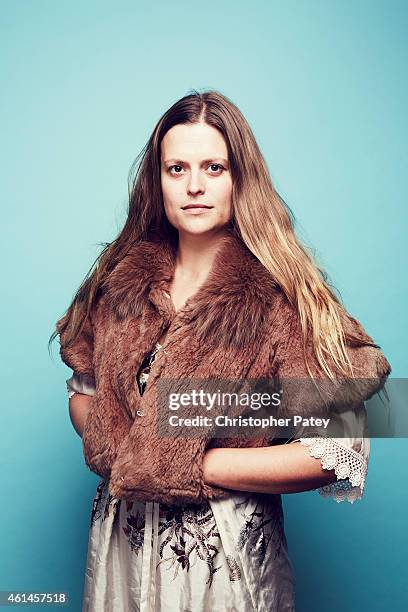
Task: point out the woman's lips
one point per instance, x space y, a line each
196 210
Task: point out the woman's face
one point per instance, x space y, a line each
195 170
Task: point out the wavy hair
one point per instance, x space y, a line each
260 217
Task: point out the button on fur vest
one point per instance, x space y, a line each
238 325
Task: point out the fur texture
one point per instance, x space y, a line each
237 326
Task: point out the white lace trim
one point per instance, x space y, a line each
349 466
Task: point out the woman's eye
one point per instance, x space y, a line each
177 168
218 166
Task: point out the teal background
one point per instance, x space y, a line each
323 85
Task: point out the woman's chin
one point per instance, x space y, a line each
198 228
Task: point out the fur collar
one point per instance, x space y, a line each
230 308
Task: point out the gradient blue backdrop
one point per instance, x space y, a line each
323 85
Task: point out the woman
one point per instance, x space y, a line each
206 280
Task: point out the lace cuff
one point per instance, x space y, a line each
349 466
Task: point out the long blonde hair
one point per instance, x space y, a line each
260 217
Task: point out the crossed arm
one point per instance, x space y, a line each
285 468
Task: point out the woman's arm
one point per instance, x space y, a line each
79 405
285 468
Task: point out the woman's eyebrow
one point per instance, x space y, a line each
204 161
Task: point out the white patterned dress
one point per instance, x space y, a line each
227 555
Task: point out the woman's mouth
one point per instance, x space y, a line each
196 209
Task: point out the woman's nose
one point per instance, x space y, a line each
195 182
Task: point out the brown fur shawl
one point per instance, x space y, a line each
238 325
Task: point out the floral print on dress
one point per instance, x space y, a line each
134 530
234 569
192 538
260 525
103 504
